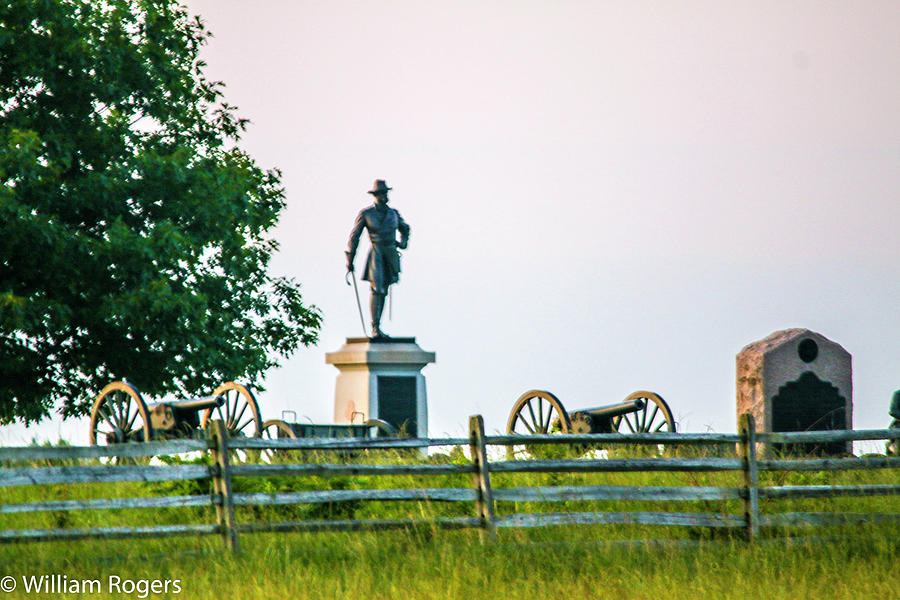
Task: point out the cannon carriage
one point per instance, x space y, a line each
290 428
539 411
120 414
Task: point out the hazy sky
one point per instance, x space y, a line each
604 196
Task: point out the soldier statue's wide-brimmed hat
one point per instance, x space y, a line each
380 187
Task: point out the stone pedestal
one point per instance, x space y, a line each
797 380
381 378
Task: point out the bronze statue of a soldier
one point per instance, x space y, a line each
383 262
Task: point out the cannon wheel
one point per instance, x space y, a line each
385 429
120 415
275 429
538 411
238 423
653 418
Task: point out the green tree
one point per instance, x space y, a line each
133 230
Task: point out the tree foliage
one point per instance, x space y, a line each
133 230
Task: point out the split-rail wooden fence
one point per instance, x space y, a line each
483 496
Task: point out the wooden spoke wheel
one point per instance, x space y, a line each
120 415
275 429
655 417
240 412
385 429
538 411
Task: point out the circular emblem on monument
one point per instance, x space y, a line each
808 350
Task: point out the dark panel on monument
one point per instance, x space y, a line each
809 404
397 403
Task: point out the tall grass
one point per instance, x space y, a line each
424 564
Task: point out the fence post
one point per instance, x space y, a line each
218 437
484 503
751 475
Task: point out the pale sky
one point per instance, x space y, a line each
604 196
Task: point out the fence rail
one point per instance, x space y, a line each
485 497
134 450
100 474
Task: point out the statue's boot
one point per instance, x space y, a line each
377 309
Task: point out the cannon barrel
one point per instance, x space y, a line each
613 410
197 404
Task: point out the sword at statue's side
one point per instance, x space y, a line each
347 278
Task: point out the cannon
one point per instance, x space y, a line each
539 411
121 415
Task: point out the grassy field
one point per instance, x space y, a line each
556 563
559 562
